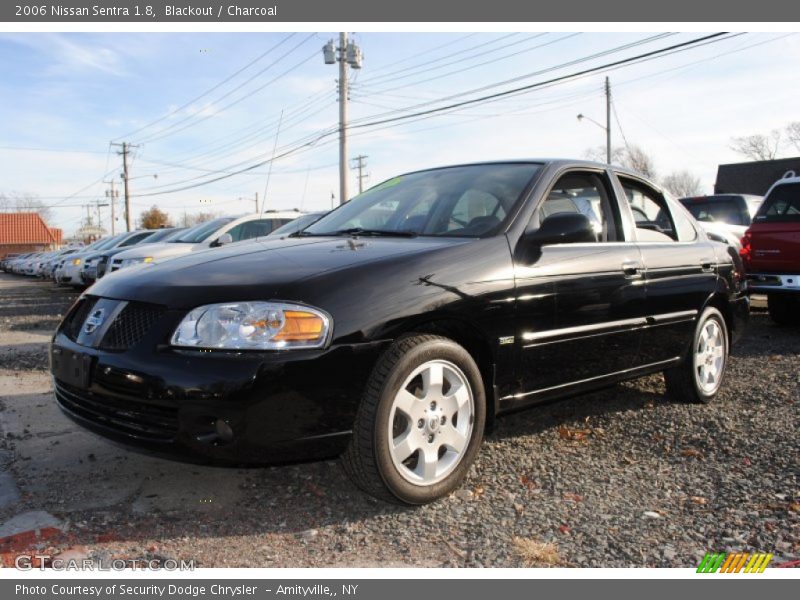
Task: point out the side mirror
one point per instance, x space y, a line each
563 228
225 238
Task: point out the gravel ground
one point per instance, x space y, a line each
622 477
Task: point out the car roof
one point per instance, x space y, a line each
791 179
549 162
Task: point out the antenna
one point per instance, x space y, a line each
271 160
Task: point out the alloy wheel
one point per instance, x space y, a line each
430 423
709 356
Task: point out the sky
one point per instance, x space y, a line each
202 106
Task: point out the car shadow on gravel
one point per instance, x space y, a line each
126 495
575 411
771 339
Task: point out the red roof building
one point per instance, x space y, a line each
26 232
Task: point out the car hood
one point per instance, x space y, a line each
158 250
255 269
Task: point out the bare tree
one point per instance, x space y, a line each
682 183
24 202
598 154
758 146
793 134
632 156
639 160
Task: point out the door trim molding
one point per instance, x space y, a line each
565 386
608 326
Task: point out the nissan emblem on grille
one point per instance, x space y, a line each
94 321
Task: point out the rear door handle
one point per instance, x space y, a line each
707 266
632 269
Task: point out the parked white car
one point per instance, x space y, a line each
210 234
725 216
68 272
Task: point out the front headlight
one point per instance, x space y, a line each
128 262
253 326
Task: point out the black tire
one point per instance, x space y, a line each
784 309
368 460
684 381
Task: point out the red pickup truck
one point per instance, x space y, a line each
771 251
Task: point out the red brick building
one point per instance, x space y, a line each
26 232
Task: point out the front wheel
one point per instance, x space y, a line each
700 376
420 423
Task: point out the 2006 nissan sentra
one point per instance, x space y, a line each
394 329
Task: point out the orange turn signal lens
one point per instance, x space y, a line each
300 326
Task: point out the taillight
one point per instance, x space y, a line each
747 248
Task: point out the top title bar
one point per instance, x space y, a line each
363 11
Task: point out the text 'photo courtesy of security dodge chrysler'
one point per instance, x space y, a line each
395 329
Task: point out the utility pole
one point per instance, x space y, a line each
126 150
346 53
608 121
99 216
112 194
256 201
360 164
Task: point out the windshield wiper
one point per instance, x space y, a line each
356 231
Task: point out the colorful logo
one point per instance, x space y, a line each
719 562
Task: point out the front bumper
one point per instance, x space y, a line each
771 283
280 406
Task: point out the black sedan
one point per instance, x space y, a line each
394 329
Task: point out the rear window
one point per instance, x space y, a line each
782 205
718 211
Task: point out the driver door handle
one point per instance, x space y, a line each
632 269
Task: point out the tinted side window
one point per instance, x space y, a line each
135 239
783 204
251 229
585 193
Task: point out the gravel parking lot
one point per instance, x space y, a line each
623 477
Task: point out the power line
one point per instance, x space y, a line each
425 52
431 62
549 69
625 46
491 97
207 92
171 129
532 86
254 138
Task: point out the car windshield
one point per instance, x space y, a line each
103 244
465 201
720 210
782 205
158 236
297 224
200 232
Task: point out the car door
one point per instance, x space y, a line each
580 306
680 269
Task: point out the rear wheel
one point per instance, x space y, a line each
784 309
700 376
420 423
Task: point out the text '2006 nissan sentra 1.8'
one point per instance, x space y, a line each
393 330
